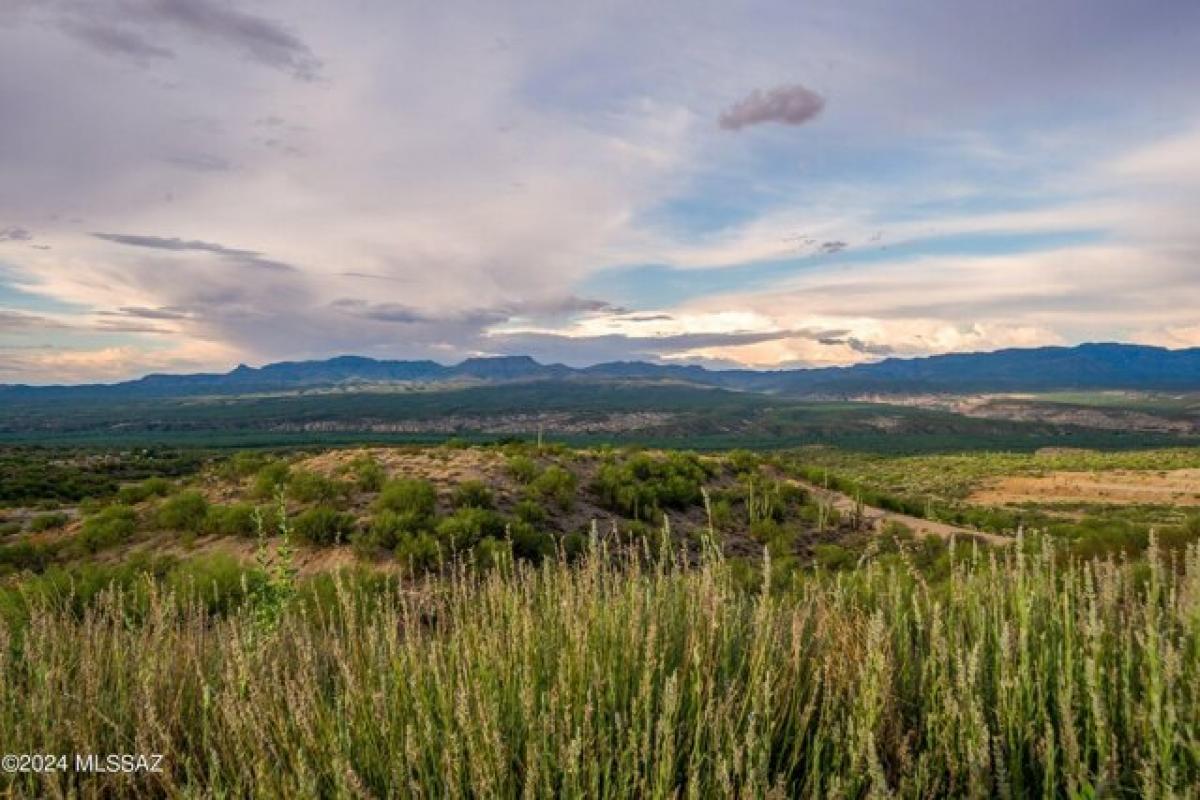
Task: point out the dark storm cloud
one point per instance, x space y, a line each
249 258
14 234
787 105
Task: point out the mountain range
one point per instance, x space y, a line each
1086 366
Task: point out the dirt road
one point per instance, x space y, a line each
876 517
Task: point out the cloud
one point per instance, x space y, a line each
379 312
18 322
140 312
14 234
139 30
250 258
858 345
258 38
200 162
113 40
787 105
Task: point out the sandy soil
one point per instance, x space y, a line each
1179 487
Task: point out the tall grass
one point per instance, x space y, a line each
1018 676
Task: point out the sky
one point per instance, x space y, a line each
186 185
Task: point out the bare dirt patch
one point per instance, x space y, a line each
444 467
1180 487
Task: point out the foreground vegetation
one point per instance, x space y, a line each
632 675
536 621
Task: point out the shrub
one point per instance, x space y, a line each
530 543
743 461
32 556
311 487
556 485
45 522
522 468
388 527
833 557
272 477
530 511
722 514
111 526
419 552
241 465
133 493
473 494
467 526
408 496
234 520
323 525
368 473
9 527
643 485
490 553
185 511
218 580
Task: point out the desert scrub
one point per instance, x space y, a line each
186 511
1018 675
556 485
473 494
641 485
408 496
323 525
109 526
49 521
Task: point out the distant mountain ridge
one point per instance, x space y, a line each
1086 366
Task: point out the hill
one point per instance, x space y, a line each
1084 367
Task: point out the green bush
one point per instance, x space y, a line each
420 552
833 557
311 487
133 493
556 485
408 496
271 478
530 543
490 553
32 556
45 522
111 526
467 526
241 465
530 511
388 527
368 473
473 494
9 527
234 520
218 580
642 486
522 468
185 511
323 525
